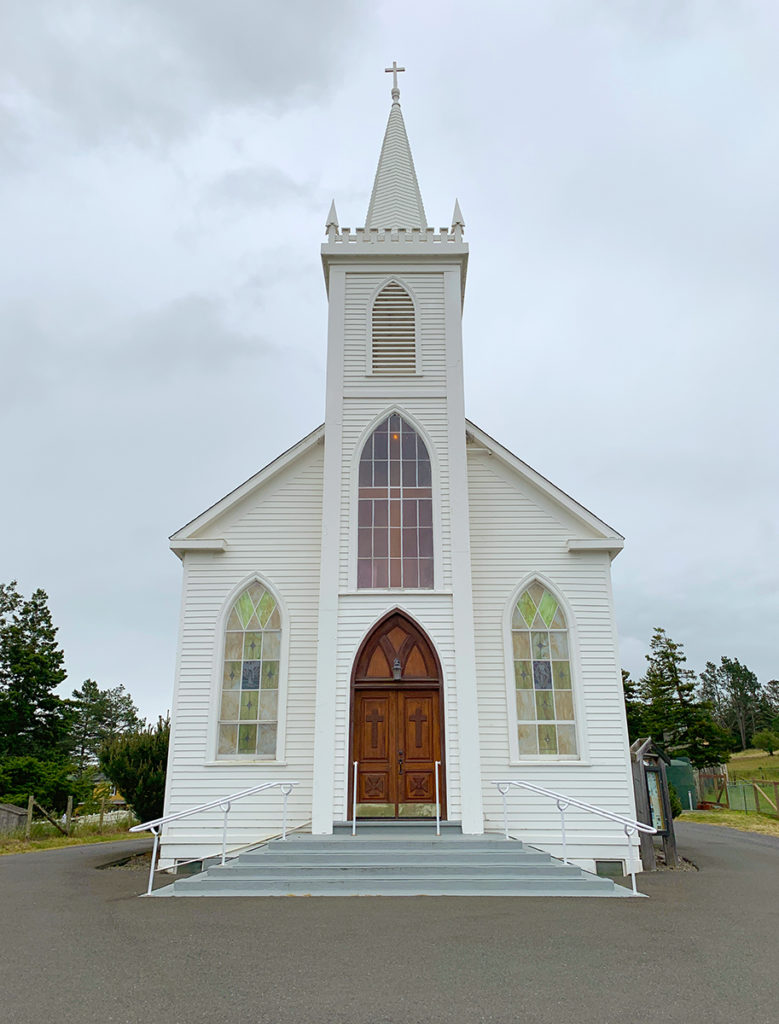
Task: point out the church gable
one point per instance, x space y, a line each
582 529
303 462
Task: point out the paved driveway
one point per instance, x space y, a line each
77 946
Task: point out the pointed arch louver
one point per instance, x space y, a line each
393 332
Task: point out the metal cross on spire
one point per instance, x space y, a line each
394 71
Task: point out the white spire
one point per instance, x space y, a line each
395 201
332 217
457 217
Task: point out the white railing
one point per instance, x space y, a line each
563 802
437 799
225 803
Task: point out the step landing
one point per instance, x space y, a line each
394 859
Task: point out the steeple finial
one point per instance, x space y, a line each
394 71
395 200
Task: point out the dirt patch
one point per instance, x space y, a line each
136 862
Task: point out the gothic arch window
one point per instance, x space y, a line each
395 509
249 700
393 332
542 675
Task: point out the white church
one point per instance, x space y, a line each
398 611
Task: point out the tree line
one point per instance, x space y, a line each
702 716
53 746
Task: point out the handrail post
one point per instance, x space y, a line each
503 789
286 790
354 798
156 833
226 808
437 800
631 861
561 805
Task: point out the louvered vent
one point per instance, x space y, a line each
393 333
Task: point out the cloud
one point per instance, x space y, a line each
255 187
152 70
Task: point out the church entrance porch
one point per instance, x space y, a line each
397 723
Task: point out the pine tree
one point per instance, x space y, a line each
98 716
673 716
33 719
634 709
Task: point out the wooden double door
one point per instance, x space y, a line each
397 727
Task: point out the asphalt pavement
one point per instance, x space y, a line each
79 946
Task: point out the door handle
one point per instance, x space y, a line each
400 762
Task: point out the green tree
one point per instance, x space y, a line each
735 695
136 763
51 782
675 719
766 740
634 709
98 716
33 719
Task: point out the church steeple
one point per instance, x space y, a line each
396 201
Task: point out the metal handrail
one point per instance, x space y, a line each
564 801
437 799
225 803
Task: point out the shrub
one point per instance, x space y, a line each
50 781
766 740
136 763
676 803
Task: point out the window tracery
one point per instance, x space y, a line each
395 509
248 719
542 675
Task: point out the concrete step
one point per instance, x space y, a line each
385 867
392 856
389 859
399 884
421 843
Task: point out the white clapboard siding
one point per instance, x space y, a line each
515 532
275 532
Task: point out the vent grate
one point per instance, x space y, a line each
393 335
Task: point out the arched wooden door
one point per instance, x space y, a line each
397 723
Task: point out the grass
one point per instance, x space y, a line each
747 765
45 837
749 822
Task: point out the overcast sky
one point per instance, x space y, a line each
167 167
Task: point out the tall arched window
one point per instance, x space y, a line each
542 675
395 509
248 719
393 332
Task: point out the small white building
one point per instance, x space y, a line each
398 589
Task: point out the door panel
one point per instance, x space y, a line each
396 744
418 719
397 733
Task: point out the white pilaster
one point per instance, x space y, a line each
462 598
324 724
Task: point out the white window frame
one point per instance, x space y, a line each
515 757
216 759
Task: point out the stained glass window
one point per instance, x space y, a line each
395 509
542 675
248 717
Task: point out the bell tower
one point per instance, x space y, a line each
395 290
